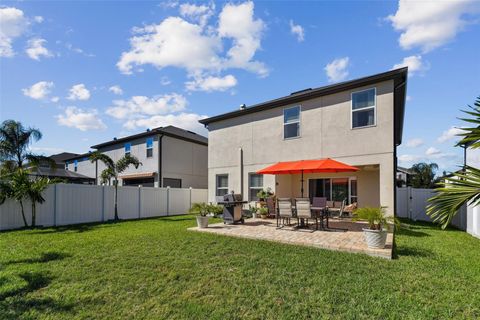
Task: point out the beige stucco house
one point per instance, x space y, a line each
358 122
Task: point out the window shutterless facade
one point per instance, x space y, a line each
221 184
364 108
172 183
255 184
75 165
128 147
334 189
149 144
291 122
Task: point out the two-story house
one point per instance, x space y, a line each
170 157
356 122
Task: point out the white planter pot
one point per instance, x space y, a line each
254 215
375 238
202 222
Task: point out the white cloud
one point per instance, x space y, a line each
39 90
473 157
337 69
38 19
415 142
198 13
429 24
35 49
450 134
409 98
414 64
83 120
164 81
408 158
196 47
210 83
140 106
188 121
116 90
70 47
55 99
12 25
78 92
298 31
432 151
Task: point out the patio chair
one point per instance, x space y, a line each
304 211
330 204
321 202
285 212
271 207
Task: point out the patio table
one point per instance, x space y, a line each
323 211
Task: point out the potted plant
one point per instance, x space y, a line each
201 209
263 194
215 209
253 210
376 233
263 212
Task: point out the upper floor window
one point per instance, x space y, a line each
221 185
363 108
291 122
149 147
75 165
128 147
66 165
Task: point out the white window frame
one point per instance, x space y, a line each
374 107
299 121
216 183
148 148
250 187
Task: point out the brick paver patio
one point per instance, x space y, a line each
334 239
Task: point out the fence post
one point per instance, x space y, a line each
103 203
190 206
55 204
168 201
409 203
139 202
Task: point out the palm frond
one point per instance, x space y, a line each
103 158
453 193
126 161
106 175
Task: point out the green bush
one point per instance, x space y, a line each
375 217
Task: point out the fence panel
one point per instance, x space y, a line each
199 195
76 203
402 203
73 203
153 202
178 201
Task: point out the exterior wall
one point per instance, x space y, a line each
185 160
325 132
180 160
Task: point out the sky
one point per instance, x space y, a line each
85 72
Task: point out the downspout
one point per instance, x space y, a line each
240 163
160 170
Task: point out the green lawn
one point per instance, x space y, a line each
157 269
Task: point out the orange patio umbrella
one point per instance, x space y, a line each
308 166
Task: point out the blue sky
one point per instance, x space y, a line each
84 72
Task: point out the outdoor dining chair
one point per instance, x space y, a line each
321 202
285 211
304 211
271 207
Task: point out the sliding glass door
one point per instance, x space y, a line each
334 189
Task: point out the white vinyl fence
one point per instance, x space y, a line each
412 204
67 204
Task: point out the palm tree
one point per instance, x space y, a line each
15 187
113 169
463 186
34 191
423 175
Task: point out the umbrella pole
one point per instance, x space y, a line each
302 183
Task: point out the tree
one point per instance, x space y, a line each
34 189
15 186
14 142
423 175
113 169
462 186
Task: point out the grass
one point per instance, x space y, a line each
156 269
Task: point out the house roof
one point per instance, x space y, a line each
405 170
62 157
398 75
171 131
58 173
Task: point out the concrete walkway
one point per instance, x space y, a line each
334 239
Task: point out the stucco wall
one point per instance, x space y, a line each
325 131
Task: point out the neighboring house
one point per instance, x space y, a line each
59 170
357 122
170 157
404 176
